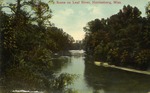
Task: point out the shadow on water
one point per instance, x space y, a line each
115 81
92 79
59 63
52 84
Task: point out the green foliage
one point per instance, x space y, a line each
28 41
41 12
77 45
121 39
66 40
142 58
148 9
62 81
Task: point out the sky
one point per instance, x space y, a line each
73 17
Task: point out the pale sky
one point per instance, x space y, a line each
73 17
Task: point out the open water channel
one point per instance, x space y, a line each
96 79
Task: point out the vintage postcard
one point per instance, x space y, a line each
75 46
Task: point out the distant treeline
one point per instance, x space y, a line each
122 39
78 45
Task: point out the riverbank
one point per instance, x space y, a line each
104 64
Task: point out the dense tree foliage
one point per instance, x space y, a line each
123 39
28 40
77 45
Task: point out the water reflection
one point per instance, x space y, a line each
115 81
60 62
42 82
94 79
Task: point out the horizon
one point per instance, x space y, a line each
74 16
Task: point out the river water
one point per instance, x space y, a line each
95 79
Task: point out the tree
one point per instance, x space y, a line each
120 38
148 9
27 44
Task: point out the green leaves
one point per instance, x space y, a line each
54 34
41 11
63 80
148 9
28 43
119 38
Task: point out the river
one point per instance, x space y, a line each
77 67
95 79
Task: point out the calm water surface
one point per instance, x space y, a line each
94 79
77 66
